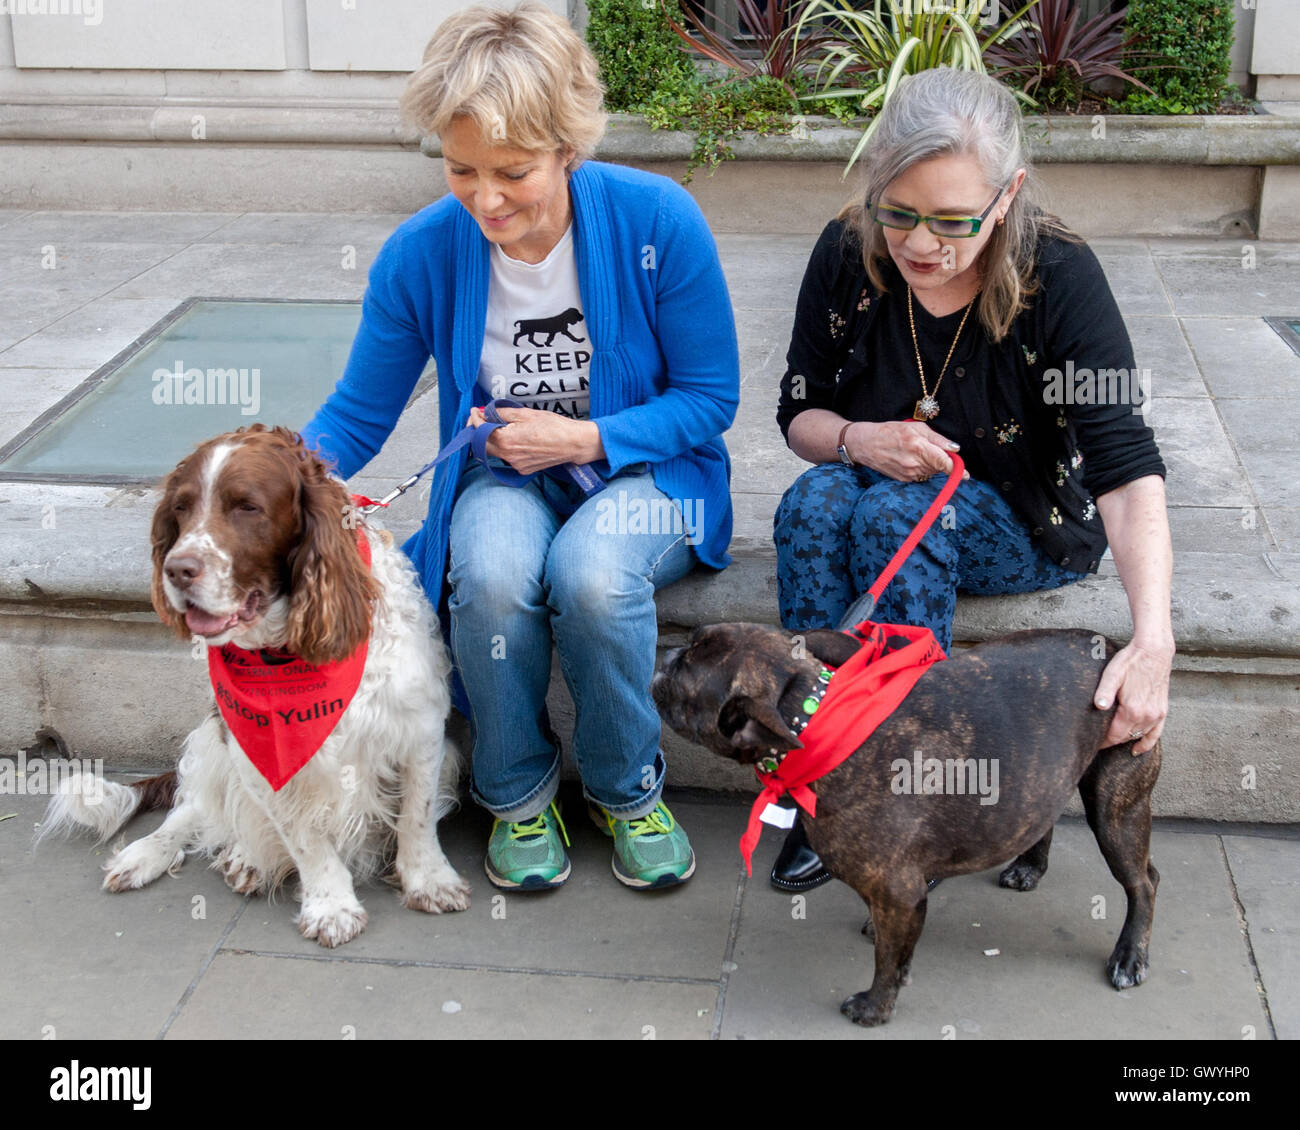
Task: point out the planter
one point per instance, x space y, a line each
1107 175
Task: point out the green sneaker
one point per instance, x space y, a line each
649 852
528 855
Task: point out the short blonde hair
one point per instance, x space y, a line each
523 74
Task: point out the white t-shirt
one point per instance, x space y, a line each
535 345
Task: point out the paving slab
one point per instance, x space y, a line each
1284 524
29 392
79 273
1160 346
88 336
249 270
1132 276
1046 978
591 925
1244 357
81 963
1203 529
250 996
1266 873
1227 278
187 958
329 229
113 227
1264 435
1202 467
762 279
9 217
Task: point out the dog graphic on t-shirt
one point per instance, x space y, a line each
556 324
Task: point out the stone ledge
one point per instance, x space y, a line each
315 122
98 555
1190 140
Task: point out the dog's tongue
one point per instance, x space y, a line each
205 623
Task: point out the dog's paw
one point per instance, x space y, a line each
446 891
331 921
1021 876
240 875
139 864
862 1010
1127 966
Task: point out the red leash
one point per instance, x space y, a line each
861 694
922 527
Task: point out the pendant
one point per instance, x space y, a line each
927 408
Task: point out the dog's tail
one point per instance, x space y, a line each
84 804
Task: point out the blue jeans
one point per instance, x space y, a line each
522 574
837 527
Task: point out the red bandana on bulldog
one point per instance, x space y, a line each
862 693
279 708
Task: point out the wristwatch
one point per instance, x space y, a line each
845 457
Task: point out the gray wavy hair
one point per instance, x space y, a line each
944 112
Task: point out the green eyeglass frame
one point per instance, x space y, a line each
947 227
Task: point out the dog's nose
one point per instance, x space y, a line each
183 571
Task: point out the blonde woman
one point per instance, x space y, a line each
591 294
946 312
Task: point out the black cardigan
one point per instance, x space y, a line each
1022 410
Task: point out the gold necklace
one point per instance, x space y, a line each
927 408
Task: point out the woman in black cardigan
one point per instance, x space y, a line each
947 312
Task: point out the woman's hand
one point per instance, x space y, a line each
907 450
536 440
1138 530
1140 678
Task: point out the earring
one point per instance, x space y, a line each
1001 220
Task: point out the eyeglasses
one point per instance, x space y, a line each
950 227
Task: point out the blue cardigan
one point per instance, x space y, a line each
664 371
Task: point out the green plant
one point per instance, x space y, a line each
865 53
645 70
719 111
1192 40
637 50
1053 53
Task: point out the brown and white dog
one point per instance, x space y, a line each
251 546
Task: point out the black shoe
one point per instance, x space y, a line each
798 867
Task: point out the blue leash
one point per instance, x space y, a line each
580 473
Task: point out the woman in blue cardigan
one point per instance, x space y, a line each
593 295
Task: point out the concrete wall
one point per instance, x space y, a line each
195 47
149 691
128 45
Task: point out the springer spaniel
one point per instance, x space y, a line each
254 545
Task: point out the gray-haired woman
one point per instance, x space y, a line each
946 311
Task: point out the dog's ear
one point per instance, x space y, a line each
162 536
753 725
832 648
331 592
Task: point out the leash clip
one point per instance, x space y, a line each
392 495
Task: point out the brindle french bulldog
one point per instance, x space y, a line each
1020 705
